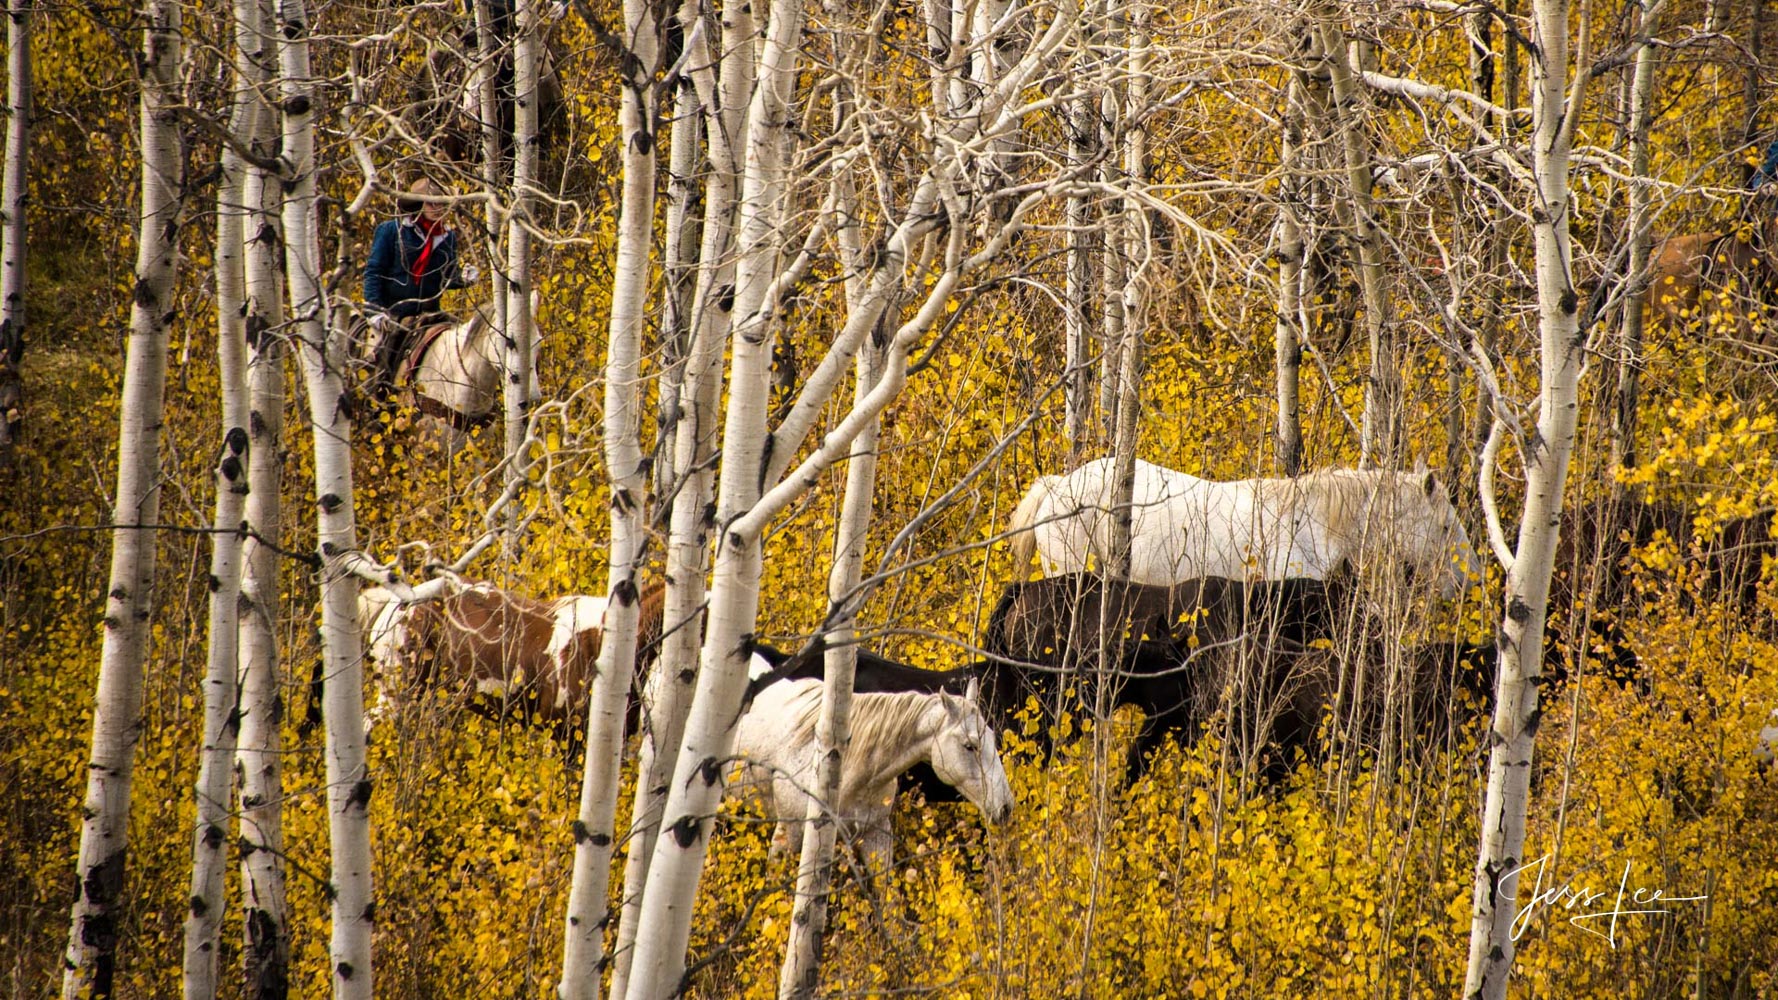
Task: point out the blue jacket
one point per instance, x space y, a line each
389 283
1768 171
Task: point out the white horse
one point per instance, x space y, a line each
890 733
1184 528
455 370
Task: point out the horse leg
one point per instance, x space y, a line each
876 844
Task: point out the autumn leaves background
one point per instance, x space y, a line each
1342 882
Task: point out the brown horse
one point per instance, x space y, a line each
501 652
1593 567
1733 272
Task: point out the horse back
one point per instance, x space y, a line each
483 638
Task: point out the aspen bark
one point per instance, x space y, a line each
1287 338
667 698
664 923
493 185
259 759
1077 395
321 341
1513 736
1629 362
12 222
678 265
203 924
1381 435
92 945
1111 249
801 972
583 960
266 948
519 330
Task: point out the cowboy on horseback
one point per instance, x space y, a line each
413 261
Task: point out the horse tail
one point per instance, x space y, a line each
995 638
317 683
1020 527
371 602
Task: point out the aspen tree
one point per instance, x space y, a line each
1513 735
91 958
1380 442
321 343
520 328
12 221
595 837
213 791
800 973
259 757
1287 336
722 83
1629 362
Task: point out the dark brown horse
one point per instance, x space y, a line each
1173 649
1594 567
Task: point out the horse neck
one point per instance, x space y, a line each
890 732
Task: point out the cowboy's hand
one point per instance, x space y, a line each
471 274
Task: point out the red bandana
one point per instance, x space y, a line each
432 234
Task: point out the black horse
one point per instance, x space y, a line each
1172 648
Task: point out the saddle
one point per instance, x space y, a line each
422 342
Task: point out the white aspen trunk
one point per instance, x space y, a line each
1287 338
1380 438
667 699
266 936
664 924
322 348
583 959
801 972
519 330
1629 362
92 941
677 265
744 511
12 222
1514 731
203 924
1077 395
1111 262
259 758
493 180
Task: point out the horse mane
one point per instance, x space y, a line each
1023 543
1337 498
881 724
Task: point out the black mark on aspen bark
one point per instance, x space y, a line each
684 832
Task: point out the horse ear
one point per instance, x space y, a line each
973 693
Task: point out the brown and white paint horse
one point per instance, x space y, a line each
1737 270
503 653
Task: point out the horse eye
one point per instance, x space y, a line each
971 747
